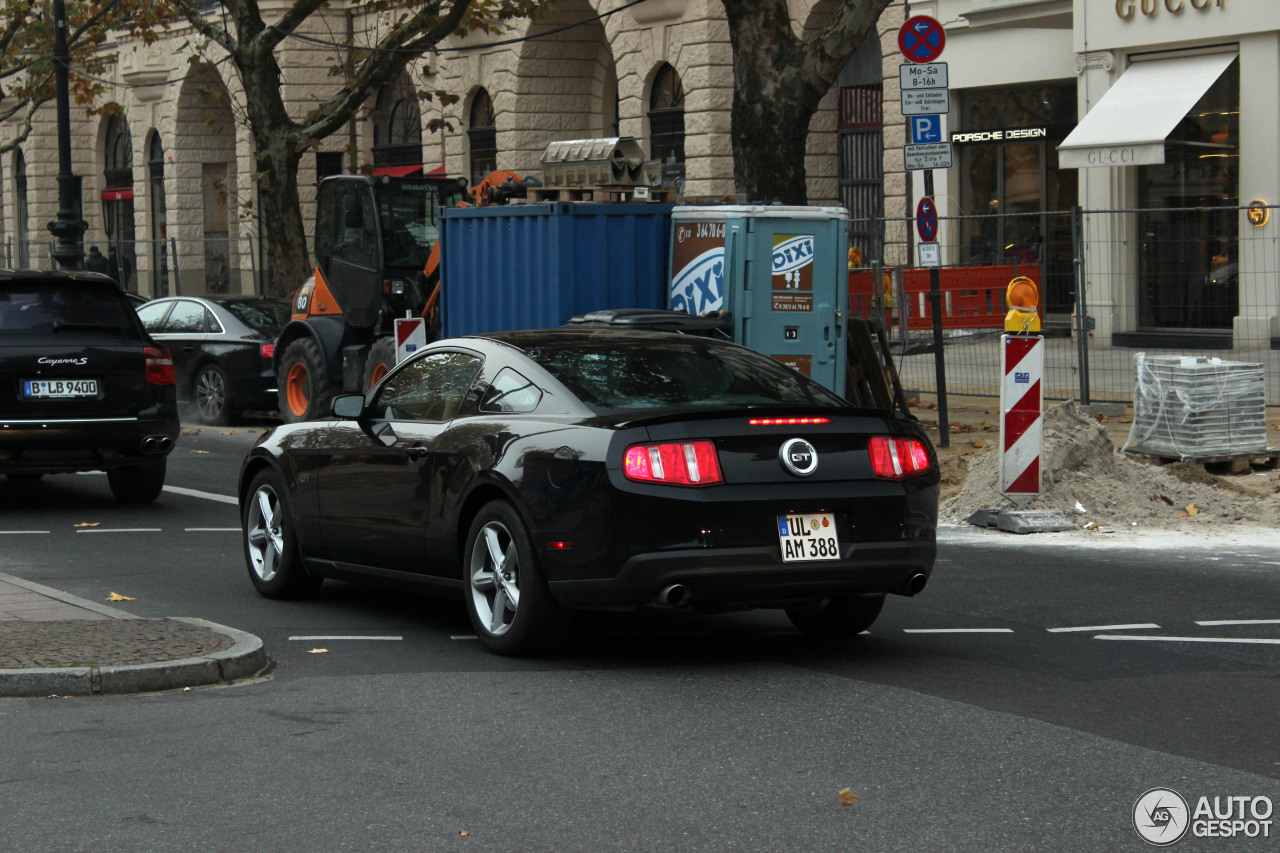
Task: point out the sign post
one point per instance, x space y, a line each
925 96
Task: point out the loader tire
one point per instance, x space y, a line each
304 387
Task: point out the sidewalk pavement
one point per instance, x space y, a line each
56 644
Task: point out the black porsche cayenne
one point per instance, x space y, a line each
546 471
82 386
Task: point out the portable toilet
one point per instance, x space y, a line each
781 273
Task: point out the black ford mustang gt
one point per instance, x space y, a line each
546 471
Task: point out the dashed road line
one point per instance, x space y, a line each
1261 641
317 638
463 637
121 530
21 532
211 529
1217 622
1086 628
957 630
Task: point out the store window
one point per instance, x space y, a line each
666 124
482 136
1014 199
1189 225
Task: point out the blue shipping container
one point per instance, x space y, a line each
534 266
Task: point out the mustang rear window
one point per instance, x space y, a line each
612 377
50 307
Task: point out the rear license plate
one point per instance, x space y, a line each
808 537
46 388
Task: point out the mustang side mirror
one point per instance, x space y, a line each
348 406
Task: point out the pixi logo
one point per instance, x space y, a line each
1128 9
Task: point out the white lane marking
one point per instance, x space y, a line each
1240 622
209 496
212 529
1246 640
122 530
1134 627
20 532
312 639
464 637
957 630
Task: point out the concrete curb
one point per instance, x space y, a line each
68 598
244 659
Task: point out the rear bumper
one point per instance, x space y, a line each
753 577
89 444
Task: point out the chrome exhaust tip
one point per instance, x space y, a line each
916 584
157 444
674 595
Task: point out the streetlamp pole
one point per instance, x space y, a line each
69 228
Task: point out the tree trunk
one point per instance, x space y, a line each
284 234
768 148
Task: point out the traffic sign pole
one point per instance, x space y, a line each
939 362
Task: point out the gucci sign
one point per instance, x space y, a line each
1127 9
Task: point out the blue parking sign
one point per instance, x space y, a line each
926 129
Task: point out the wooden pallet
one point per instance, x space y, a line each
666 195
1229 463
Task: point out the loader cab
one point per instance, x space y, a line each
373 236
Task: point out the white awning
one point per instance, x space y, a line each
1128 125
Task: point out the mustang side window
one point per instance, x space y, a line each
509 392
430 388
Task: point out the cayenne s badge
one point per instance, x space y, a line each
799 457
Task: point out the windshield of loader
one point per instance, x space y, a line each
409 210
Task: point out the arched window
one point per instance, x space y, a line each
117 202
22 260
482 137
666 120
397 125
159 215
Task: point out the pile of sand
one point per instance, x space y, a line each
1084 476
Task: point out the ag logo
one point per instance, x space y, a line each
1161 817
799 457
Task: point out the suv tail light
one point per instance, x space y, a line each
268 351
680 463
898 458
159 366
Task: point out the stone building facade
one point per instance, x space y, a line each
166 175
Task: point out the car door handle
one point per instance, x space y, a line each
416 452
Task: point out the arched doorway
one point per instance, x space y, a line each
159 215
666 124
22 253
206 254
397 128
482 137
117 202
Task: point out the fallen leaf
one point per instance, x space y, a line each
1192 509
1167 500
115 596
978 443
986 427
189 431
847 797
463 833
199 451
319 651
933 407
88 524
228 432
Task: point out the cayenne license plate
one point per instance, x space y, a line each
808 537
46 388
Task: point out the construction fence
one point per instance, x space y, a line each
171 267
1190 282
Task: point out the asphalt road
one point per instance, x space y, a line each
968 719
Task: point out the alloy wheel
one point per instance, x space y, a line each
264 534
495 577
211 393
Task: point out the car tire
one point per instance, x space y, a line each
382 357
211 393
137 484
846 616
270 546
304 386
507 599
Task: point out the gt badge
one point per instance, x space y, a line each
799 457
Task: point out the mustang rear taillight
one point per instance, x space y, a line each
159 366
680 463
898 458
268 351
787 421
